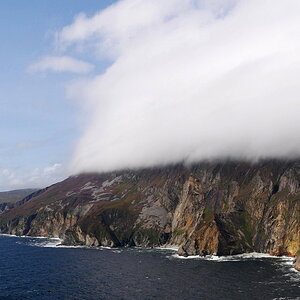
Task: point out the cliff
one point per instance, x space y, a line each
208 208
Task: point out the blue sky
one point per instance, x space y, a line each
38 125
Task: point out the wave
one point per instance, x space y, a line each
285 263
237 257
56 243
171 248
27 236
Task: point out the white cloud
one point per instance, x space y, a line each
52 169
189 80
35 178
61 64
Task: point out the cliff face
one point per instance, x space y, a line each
209 208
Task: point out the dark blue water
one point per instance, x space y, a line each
29 270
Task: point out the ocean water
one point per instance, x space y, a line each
32 268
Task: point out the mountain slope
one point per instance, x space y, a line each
15 195
208 208
10 199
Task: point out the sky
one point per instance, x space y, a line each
93 86
38 125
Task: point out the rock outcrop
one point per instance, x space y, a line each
5 206
208 208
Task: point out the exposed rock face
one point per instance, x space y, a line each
209 208
5 206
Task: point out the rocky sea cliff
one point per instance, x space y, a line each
222 208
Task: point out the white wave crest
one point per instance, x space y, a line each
238 257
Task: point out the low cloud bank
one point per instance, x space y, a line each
188 81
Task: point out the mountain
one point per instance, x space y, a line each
209 208
15 195
10 199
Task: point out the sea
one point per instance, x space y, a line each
36 268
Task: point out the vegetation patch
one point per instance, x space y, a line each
208 214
